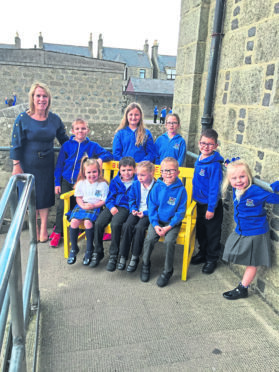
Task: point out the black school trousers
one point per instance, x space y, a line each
208 232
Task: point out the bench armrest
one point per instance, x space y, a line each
67 195
190 210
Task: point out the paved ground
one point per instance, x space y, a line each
94 320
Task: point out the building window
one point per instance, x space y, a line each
142 74
125 73
171 73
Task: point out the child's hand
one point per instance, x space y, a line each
134 213
161 231
158 230
87 206
275 186
113 210
57 190
209 215
140 214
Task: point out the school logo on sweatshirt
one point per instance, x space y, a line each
250 203
98 193
176 146
202 172
171 200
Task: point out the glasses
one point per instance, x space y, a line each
168 171
171 122
204 144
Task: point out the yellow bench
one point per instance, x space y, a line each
187 233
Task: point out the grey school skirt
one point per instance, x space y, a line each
252 250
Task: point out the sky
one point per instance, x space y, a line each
123 23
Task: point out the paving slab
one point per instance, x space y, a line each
95 320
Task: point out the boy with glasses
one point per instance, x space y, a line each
166 209
207 182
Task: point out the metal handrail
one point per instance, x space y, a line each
263 184
22 298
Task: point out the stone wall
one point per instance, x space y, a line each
135 71
246 106
100 133
80 86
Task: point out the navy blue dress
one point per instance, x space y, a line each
32 145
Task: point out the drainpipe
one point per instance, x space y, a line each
207 119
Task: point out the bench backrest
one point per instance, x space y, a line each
111 169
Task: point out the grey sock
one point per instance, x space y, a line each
132 263
122 260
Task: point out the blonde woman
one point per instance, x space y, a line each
32 149
131 137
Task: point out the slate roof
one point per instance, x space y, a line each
166 61
132 57
149 87
68 49
7 46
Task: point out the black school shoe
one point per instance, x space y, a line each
133 265
238 292
72 257
164 278
209 267
111 265
96 258
198 259
145 273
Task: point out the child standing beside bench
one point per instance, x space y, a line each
207 182
171 144
68 166
249 244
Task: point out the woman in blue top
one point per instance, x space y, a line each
32 149
249 244
131 137
171 144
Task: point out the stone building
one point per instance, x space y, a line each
137 62
164 66
150 93
245 105
85 51
80 86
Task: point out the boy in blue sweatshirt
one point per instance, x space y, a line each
116 212
166 209
207 182
68 165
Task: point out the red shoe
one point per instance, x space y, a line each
52 234
107 236
55 240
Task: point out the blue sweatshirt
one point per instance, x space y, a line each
164 113
118 195
249 211
207 180
174 147
135 197
167 203
71 152
124 144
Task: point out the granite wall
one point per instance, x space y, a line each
246 106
